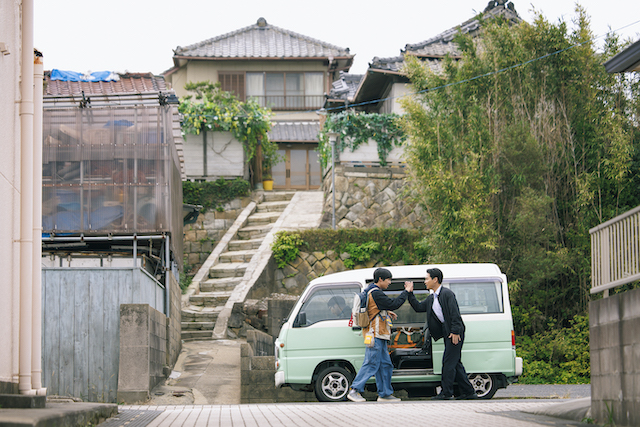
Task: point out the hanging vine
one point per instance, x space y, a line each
355 129
210 108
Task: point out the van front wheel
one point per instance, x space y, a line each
332 384
485 385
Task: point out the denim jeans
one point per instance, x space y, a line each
376 362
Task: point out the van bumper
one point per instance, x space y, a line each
279 378
518 366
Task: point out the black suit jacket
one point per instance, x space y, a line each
452 320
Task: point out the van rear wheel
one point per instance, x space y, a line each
485 385
332 384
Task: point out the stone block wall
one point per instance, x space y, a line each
201 237
143 346
614 329
370 197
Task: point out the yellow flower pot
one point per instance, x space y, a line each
267 184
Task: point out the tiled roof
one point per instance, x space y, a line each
442 44
262 40
387 64
294 132
345 87
127 84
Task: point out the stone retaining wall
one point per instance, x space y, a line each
201 237
370 197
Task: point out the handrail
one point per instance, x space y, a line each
615 251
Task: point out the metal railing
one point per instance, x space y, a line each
290 102
615 252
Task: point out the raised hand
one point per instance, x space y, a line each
408 286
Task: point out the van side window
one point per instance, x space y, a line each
328 304
478 297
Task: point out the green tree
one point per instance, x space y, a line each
209 108
517 151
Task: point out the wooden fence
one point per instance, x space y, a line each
80 331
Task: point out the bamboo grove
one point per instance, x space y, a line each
515 158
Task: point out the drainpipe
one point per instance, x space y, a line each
36 339
26 200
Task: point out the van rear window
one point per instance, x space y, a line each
478 297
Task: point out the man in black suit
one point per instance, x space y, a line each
444 321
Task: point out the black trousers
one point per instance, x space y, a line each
453 370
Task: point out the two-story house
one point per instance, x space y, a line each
285 71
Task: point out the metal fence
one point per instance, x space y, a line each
615 251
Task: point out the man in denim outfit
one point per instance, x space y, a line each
376 359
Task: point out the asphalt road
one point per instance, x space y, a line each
544 391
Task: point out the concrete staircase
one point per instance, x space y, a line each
227 271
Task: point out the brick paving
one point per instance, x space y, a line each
415 413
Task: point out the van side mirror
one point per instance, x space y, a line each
301 319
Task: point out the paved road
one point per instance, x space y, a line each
545 391
497 412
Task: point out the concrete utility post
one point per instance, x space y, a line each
332 141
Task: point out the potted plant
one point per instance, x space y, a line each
270 157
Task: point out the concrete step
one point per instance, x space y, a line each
254 231
194 313
197 326
223 284
279 206
196 335
278 196
209 299
263 218
228 269
236 256
244 245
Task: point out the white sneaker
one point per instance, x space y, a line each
354 396
390 398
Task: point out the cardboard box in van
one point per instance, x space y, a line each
318 351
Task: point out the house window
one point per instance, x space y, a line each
286 91
232 82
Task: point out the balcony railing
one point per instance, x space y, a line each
290 102
615 252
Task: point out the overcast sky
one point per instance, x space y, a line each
139 36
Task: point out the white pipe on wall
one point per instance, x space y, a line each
26 200
36 339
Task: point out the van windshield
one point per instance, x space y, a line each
474 297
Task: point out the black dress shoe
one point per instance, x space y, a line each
471 396
442 397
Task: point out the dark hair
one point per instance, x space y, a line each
336 300
435 273
381 273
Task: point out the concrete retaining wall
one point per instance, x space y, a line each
614 327
143 347
258 384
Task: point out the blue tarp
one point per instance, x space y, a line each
74 76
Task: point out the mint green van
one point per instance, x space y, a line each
317 349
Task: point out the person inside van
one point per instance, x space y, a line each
444 320
376 359
338 307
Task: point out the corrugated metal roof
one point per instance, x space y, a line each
262 40
128 83
131 89
294 132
